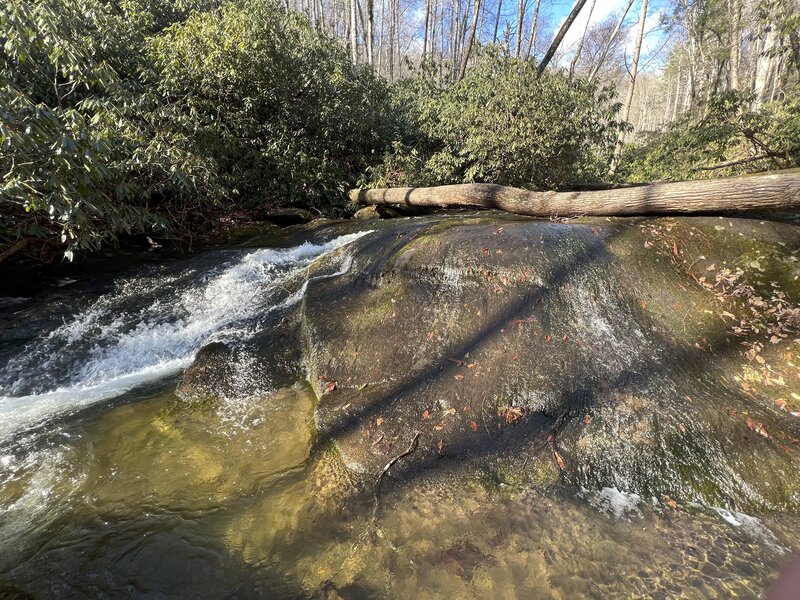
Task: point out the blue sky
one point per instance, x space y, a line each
655 37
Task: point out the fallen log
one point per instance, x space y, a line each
743 193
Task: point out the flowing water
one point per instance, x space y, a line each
111 486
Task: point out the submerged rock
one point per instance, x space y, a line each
655 356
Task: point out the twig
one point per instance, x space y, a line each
411 447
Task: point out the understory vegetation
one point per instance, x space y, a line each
155 117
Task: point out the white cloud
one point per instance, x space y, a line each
602 9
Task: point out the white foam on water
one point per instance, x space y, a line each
752 526
616 503
127 349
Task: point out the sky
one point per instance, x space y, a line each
654 37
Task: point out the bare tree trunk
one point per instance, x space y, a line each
381 36
520 23
579 49
370 30
353 31
607 48
560 35
425 34
735 40
534 27
772 191
689 24
470 40
392 31
497 21
626 112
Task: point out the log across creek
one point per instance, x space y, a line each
743 193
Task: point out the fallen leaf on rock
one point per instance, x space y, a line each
757 426
330 386
559 459
379 421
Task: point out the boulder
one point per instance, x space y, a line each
660 356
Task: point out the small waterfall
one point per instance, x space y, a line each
150 327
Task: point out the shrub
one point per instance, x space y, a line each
503 123
277 104
727 132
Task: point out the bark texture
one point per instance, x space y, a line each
777 191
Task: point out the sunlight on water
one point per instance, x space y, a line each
165 498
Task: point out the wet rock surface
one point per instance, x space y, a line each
657 356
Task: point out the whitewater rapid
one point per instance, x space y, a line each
149 328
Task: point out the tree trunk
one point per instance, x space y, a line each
370 30
735 40
773 191
353 31
497 20
470 40
626 112
560 35
610 42
425 29
534 27
578 51
520 24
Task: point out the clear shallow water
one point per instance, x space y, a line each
111 486
149 499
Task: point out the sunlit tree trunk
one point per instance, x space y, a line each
626 112
534 27
353 31
520 24
470 40
735 40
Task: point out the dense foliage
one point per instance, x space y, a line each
503 123
726 138
139 115
279 107
155 116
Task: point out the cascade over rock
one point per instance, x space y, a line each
656 355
